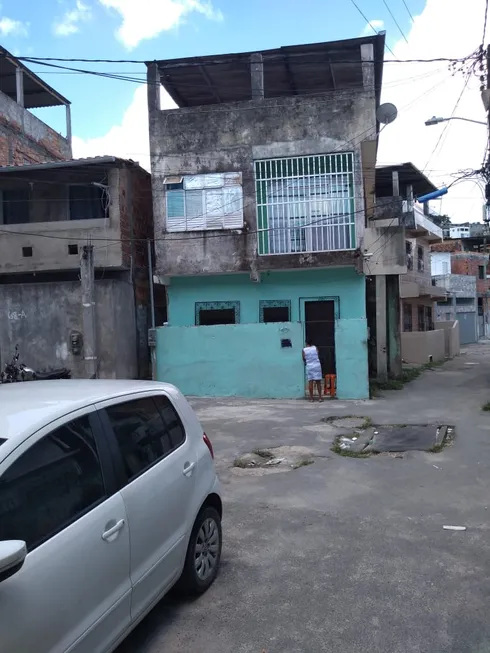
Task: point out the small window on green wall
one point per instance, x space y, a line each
212 313
275 311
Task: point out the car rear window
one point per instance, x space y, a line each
2 440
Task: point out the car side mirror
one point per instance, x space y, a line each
12 556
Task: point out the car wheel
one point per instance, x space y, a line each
203 554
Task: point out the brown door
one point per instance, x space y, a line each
320 331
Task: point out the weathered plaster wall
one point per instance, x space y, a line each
40 318
221 138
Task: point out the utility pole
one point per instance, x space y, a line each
87 279
486 163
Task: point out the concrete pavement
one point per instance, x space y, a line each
347 554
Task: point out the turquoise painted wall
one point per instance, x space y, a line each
295 285
184 292
244 360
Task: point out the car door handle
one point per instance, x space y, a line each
106 535
187 471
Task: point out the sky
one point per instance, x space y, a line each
110 116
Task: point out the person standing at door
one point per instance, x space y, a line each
313 369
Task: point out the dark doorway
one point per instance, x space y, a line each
320 331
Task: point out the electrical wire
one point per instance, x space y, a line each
409 12
448 123
395 21
217 61
371 25
485 24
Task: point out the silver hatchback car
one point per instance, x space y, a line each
108 498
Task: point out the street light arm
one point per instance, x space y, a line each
436 121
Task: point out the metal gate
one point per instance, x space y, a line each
467 327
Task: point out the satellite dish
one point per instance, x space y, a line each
386 113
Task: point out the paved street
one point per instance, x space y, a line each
347 555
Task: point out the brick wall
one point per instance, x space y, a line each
24 139
469 264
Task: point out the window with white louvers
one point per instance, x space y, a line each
203 202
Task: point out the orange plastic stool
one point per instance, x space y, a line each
330 386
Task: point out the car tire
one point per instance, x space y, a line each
203 555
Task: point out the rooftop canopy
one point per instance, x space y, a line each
36 92
296 70
408 175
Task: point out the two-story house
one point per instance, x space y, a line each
259 182
50 213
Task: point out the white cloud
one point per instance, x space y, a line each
368 29
70 23
421 90
129 139
11 27
146 19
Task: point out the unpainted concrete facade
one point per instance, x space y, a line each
206 139
42 318
41 303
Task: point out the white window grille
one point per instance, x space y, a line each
202 202
305 204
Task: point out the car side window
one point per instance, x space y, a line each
141 433
56 481
172 420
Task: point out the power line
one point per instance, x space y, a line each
370 25
395 21
485 23
32 59
409 12
448 123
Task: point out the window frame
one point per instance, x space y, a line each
216 306
107 469
198 190
121 476
27 201
103 200
481 272
273 303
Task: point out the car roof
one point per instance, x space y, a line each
27 407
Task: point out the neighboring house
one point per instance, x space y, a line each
24 138
465 276
259 179
396 188
49 213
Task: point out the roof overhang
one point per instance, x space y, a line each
298 70
66 171
408 175
37 93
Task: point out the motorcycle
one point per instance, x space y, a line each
15 372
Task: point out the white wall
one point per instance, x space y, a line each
440 263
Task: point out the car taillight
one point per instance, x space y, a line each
208 444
